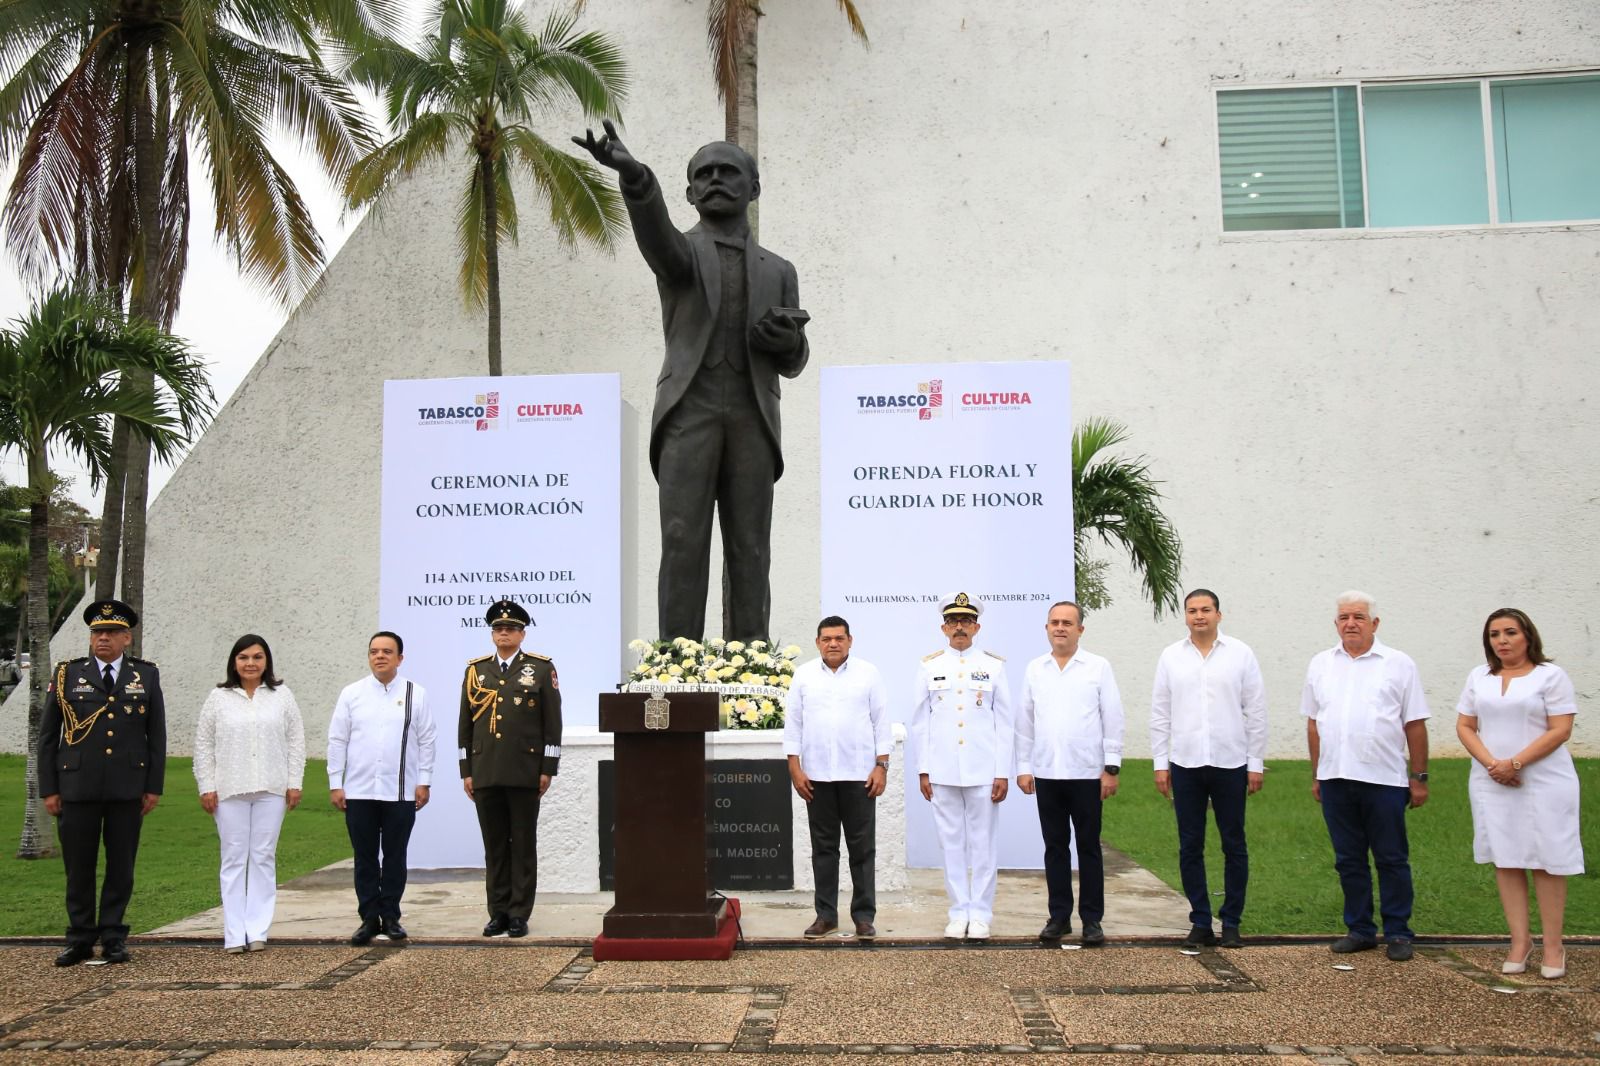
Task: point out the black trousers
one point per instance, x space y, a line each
1068 806
1225 790
715 454
379 826
509 820
835 805
82 828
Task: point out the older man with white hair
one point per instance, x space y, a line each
1366 719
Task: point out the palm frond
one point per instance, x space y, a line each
723 18
1117 501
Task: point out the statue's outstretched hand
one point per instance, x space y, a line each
609 151
775 334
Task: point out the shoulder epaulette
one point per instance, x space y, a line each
536 655
480 659
932 655
146 662
992 655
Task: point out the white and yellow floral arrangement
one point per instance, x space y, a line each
751 679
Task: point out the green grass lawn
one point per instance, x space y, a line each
177 871
1293 886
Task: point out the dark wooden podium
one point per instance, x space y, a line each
663 889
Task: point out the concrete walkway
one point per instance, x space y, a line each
447 996
450 904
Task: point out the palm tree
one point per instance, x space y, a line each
70 367
474 86
732 38
100 103
1118 501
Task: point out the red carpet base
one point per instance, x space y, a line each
672 949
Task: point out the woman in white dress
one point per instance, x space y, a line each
249 761
1514 719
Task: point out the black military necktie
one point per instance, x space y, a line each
505 667
109 680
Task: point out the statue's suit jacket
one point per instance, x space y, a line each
689 278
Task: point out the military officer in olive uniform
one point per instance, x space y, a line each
963 725
102 757
510 738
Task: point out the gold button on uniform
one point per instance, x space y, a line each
497 736
111 714
109 733
108 751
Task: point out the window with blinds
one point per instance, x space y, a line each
1472 151
1291 159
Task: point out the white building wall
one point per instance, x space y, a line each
1409 413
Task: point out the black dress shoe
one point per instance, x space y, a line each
1093 935
393 929
1231 937
519 928
1054 930
1200 936
117 951
499 925
1398 950
74 954
363 936
1348 945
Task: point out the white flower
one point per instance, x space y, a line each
675 670
792 652
639 646
747 678
737 660
717 643
757 645
735 645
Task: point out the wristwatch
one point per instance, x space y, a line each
883 763
1113 770
1422 776
1516 764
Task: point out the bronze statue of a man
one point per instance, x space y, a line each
730 312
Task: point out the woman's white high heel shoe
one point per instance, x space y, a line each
1555 973
1511 966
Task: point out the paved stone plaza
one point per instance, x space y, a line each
443 1002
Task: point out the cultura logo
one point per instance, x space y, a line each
995 400
544 412
483 412
926 401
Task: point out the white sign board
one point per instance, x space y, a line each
500 487
939 479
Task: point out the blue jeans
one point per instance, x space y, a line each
1365 817
1224 788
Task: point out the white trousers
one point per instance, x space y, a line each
248 827
966 822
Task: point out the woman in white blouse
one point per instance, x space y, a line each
1514 719
249 758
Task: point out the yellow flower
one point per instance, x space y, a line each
757 645
737 660
688 664
735 645
725 673
767 707
792 652
751 716
675 670
786 681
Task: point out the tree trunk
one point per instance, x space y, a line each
742 113
133 531
147 157
491 256
37 840
105 581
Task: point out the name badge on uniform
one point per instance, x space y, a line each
938 683
84 686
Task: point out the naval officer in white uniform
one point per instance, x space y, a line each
963 726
